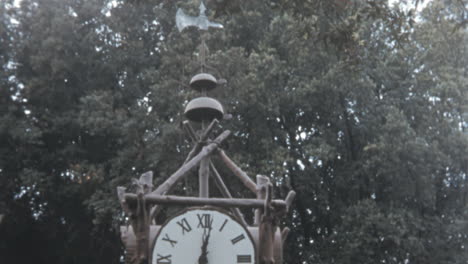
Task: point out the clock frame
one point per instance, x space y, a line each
179 240
144 205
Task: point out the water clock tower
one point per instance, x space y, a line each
209 230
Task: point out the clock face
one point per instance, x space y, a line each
203 236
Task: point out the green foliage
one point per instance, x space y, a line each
359 107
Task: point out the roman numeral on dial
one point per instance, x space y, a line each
164 259
237 239
223 225
244 258
205 221
185 226
168 239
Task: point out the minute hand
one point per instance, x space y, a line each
203 259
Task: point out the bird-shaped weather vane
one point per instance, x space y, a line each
202 23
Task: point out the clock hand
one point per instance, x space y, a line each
203 259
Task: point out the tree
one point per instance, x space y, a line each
358 106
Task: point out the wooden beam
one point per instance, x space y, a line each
181 172
284 234
225 192
197 147
289 199
238 172
267 228
198 141
195 150
196 201
262 181
190 131
206 133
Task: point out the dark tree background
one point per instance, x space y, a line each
359 106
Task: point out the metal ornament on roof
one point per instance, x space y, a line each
203 109
145 204
201 21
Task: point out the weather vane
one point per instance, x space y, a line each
201 21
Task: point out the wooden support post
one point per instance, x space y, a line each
226 193
141 226
238 172
267 229
123 203
180 173
203 178
139 216
131 198
261 194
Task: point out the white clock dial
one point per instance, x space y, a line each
203 236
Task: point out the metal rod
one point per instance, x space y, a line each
196 201
203 51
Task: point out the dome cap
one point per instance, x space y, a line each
203 81
204 108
